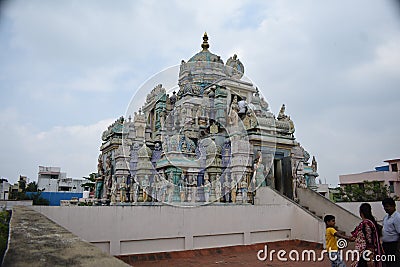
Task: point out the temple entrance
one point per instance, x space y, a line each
283 176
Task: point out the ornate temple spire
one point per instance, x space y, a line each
205 44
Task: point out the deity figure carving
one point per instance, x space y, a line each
145 187
250 121
233 118
314 165
192 189
233 190
226 186
264 105
114 192
181 186
244 189
207 188
217 188
108 177
258 168
234 104
242 104
122 189
173 98
213 128
133 192
99 179
282 116
162 119
170 187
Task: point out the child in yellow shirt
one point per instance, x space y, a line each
331 235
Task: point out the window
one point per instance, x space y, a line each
394 167
391 187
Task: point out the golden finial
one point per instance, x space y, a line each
205 44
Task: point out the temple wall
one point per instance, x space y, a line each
123 230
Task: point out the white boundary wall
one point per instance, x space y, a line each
377 208
123 230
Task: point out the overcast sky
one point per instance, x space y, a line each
69 68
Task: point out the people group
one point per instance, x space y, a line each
376 245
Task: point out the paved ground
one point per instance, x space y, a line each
232 256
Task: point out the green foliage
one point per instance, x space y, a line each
38 200
17 196
91 181
366 192
32 187
4 222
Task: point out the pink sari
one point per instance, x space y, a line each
367 238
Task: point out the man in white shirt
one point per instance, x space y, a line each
391 232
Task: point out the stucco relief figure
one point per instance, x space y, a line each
170 191
192 190
207 189
233 118
122 189
217 188
114 192
233 190
133 192
282 116
242 106
264 105
314 165
162 119
145 187
244 189
181 186
250 120
213 128
99 179
108 178
258 175
234 104
226 186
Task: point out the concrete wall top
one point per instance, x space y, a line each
377 208
36 241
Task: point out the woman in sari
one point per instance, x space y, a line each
366 238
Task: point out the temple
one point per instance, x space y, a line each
214 140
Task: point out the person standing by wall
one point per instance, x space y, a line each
391 232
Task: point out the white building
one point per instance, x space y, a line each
51 179
4 189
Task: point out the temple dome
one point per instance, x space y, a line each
205 54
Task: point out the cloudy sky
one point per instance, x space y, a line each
70 68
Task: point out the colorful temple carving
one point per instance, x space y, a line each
214 140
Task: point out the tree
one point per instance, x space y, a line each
91 181
367 192
32 187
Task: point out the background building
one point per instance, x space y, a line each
387 175
4 189
51 179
